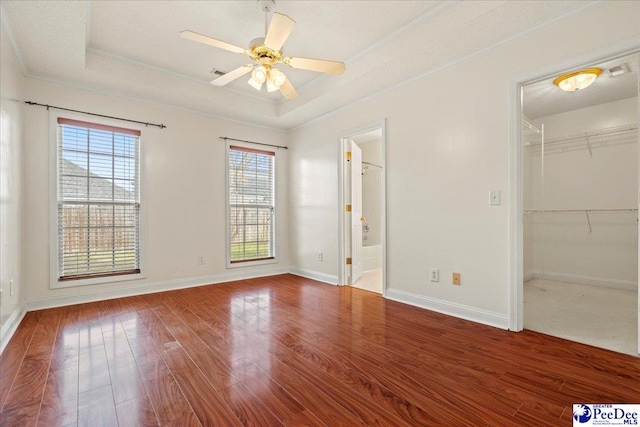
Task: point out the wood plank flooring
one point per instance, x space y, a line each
285 350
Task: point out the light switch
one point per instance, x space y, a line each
494 197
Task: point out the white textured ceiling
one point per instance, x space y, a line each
133 48
543 98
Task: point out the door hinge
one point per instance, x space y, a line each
347 208
348 261
348 155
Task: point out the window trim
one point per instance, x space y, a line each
54 281
261 261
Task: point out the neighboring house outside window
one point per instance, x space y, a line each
251 206
98 203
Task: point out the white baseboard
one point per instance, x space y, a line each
529 275
315 275
148 288
450 308
626 285
10 326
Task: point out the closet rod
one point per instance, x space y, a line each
161 126
586 212
253 142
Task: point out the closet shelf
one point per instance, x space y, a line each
598 133
529 211
529 126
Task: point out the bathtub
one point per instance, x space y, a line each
371 257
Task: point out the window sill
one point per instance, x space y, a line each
252 263
57 284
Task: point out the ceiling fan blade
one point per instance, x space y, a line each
196 37
279 30
232 75
320 65
288 91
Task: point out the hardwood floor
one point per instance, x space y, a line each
285 350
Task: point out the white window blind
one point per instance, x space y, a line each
98 200
251 198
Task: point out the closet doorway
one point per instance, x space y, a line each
363 208
580 208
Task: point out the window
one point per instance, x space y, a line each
251 205
98 201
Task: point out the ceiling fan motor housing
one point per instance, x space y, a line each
263 54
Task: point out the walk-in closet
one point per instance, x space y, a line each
580 199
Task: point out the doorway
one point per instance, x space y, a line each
362 208
579 207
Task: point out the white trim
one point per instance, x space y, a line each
627 285
156 103
148 288
445 65
529 275
315 275
120 58
420 19
516 253
622 48
10 326
461 311
12 41
274 243
54 283
342 243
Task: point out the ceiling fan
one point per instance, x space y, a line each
266 53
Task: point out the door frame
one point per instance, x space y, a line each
343 221
516 239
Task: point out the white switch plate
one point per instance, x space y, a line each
10 288
320 256
494 197
434 275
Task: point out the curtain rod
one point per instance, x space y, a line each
161 126
253 142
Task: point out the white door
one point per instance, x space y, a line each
356 212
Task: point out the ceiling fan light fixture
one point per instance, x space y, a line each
271 87
255 84
277 77
260 74
577 80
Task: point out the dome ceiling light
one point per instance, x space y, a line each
577 80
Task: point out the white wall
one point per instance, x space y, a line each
184 195
11 193
574 179
372 191
447 146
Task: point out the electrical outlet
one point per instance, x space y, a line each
320 256
11 288
434 275
456 278
200 260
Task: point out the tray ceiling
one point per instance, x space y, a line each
133 48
